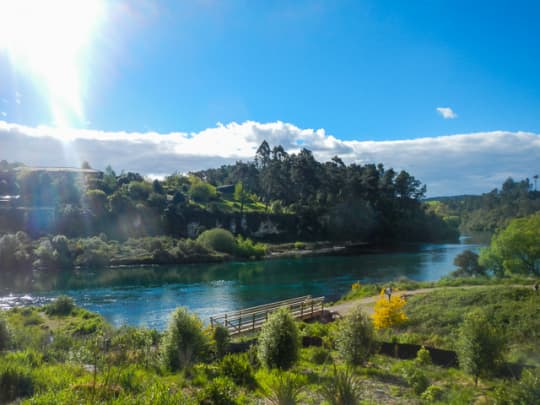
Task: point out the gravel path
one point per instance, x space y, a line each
367 304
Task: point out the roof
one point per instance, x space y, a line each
57 169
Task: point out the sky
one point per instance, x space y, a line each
447 90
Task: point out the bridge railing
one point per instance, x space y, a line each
251 319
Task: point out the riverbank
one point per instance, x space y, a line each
64 354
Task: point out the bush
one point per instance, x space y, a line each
220 391
389 312
221 338
237 368
200 191
62 306
354 340
184 341
525 391
423 357
218 239
15 382
247 248
279 342
320 355
480 345
432 394
284 388
343 389
416 378
4 334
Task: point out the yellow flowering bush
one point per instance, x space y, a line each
389 311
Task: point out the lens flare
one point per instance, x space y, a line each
50 41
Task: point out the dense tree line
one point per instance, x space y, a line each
493 210
309 199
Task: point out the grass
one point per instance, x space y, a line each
61 370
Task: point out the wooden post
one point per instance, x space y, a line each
253 323
312 309
302 310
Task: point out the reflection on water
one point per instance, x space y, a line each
147 295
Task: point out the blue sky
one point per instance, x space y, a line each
360 70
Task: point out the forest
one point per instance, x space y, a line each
60 218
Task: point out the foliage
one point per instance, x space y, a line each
343 388
467 261
480 346
4 334
354 340
62 305
423 357
435 318
201 191
218 239
247 248
283 388
525 391
279 342
389 311
238 369
515 249
432 394
415 377
14 253
220 391
15 382
184 342
221 338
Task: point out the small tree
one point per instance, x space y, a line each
389 311
480 346
184 341
354 340
218 239
467 261
279 341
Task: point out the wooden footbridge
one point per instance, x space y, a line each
251 319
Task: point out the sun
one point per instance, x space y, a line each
49 40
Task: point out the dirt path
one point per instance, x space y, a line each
368 303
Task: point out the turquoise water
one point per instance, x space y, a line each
146 296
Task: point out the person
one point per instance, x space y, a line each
388 292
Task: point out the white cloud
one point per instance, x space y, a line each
447 113
449 165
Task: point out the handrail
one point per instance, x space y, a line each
251 319
260 307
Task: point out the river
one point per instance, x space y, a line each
145 296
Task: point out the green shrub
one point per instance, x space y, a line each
299 245
284 388
416 378
525 391
184 342
480 345
279 342
15 382
320 355
221 338
432 394
247 248
4 334
61 306
218 239
342 389
423 357
354 338
220 391
238 368
200 191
